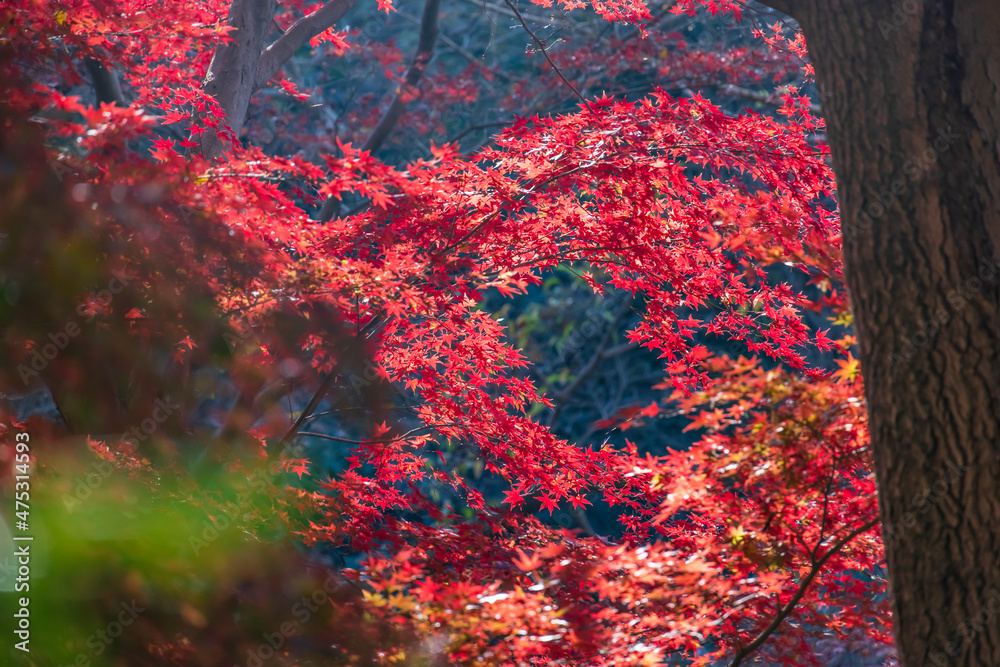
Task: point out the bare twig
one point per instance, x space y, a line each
617 350
506 12
311 406
563 396
541 45
377 441
482 126
761 96
457 48
320 394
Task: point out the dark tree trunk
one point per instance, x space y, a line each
911 94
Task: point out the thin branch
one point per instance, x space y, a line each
789 7
563 396
311 406
583 521
803 587
482 126
383 441
506 12
517 198
826 504
423 55
299 33
541 45
617 350
331 438
458 48
320 394
761 96
425 51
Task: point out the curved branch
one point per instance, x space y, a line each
789 7
783 612
541 45
299 33
423 55
458 48
479 4
761 96
324 388
563 396
425 51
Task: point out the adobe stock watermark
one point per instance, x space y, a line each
967 630
302 611
221 520
8 572
84 486
359 382
58 341
958 298
922 503
901 13
100 641
243 330
912 169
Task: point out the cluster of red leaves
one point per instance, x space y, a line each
759 537
770 518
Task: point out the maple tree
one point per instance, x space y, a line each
195 273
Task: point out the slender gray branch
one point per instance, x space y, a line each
561 398
425 51
538 18
299 33
761 96
457 48
541 45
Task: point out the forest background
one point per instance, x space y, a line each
496 334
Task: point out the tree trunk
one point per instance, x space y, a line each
232 75
911 94
239 68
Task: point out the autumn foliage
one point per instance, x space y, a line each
235 305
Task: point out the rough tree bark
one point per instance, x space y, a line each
911 94
238 69
232 75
